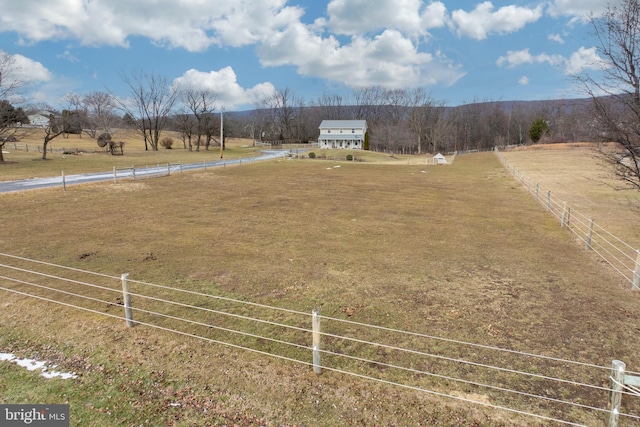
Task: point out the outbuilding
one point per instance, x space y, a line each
439 159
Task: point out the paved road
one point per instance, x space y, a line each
37 183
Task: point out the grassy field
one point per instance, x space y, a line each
455 251
21 164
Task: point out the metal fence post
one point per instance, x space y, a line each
615 396
636 271
548 200
315 323
126 298
589 233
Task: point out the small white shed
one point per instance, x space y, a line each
439 159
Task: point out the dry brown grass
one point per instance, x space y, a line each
576 173
460 252
20 164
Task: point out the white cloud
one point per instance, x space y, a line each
357 17
485 20
389 59
556 38
520 57
68 56
193 25
584 59
224 85
29 71
581 60
581 9
524 80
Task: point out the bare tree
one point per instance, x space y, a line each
281 110
421 106
201 104
151 103
616 90
75 108
101 113
331 107
11 118
186 125
10 84
55 128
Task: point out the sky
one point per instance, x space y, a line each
243 50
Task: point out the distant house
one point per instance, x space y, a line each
39 119
342 134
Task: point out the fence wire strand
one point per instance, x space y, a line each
289 359
559 210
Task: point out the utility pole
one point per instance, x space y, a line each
221 130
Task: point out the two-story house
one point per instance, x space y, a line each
345 134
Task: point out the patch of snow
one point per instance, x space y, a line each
34 365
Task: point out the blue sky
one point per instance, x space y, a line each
243 50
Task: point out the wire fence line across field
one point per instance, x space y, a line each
251 329
622 257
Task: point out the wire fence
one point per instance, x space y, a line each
35 148
622 257
542 387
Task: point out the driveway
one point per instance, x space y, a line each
38 183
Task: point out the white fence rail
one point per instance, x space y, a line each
545 388
621 256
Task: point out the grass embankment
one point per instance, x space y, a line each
457 251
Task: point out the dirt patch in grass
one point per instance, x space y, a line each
458 252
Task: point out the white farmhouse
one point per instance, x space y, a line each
345 134
40 119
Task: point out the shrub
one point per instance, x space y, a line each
349 157
167 142
312 155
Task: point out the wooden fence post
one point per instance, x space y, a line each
315 323
563 222
115 175
538 191
64 182
636 271
615 396
589 233
126 298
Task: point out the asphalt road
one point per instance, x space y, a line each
38 183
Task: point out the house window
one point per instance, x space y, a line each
340 130
329 131
353 131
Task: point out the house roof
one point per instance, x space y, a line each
343 124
